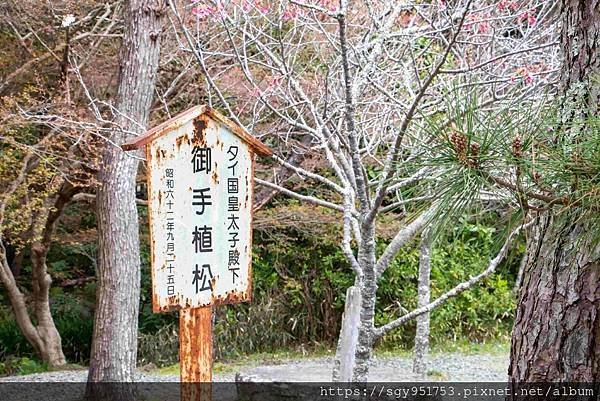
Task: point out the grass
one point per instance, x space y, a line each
271 358
22 366
435 375
494 347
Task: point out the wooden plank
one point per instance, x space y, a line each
200 197
195 353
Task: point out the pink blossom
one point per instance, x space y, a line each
527 16
505 4
290 13
256 92
483 27
478 23
524 72
331 5
221 11
203 11
529 79
275 81
264 9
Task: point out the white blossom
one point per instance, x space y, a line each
68 20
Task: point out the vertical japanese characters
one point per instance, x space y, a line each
202 238
200 193
233 208
170 225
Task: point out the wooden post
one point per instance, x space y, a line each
346 350
195 353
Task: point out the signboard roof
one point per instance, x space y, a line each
257 146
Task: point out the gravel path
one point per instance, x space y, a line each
442 367
69 385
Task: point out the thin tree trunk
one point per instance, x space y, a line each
421 349
519 280
114 346
557 326
43 334
51 349
368 290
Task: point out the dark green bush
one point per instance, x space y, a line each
299 281
160 348
12 342
74 319
483 312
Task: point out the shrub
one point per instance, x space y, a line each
21 366
160 348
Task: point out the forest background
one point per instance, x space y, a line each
300 273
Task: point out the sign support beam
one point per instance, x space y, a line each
195 353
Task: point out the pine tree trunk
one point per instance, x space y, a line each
557 327
421 349
114 347
557 324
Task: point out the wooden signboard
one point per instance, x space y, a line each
200 169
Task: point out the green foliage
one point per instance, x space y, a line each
12 342
21 366
299 281
73 318
484 312
160 348
540 155
257 327
75 322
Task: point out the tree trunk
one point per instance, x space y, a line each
50 341
114 345
557 327
421 349
43 335
368 294
19 307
